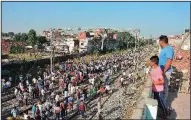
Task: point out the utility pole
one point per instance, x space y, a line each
136 40
52 53
53 68
138 32
51 58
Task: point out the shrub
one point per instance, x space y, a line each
16 49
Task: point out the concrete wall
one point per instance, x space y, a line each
14 68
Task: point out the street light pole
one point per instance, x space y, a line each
137 32
51 62
51 57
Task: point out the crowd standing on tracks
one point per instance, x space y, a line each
77 82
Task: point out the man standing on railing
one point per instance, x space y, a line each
165 61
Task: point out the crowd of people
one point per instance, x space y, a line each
53 95
76 82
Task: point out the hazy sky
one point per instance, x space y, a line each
154 18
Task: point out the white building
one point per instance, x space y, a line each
86 45
186 43
70 43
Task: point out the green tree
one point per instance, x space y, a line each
17 37
13 49
32 40
4 34
125 39
41 40
24 37
16 49
10 34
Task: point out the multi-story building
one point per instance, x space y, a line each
6 45
47 34
52 33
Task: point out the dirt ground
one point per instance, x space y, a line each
180 102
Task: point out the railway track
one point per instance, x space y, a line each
73 113
91 103
113 105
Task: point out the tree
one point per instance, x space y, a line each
32 38
10 34
16 49
126 39
41 40
24 37
4 34
17 37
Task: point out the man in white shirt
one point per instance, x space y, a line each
122 79
43 93
124 74
45 75
2 84
57 98
27 82
129 75
16 91
34 80
20 85
107 88
65 94
73 89
51 86
93 81
69 87
25 116
30 89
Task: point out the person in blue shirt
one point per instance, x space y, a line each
165 61
14 112
21 77
34 110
